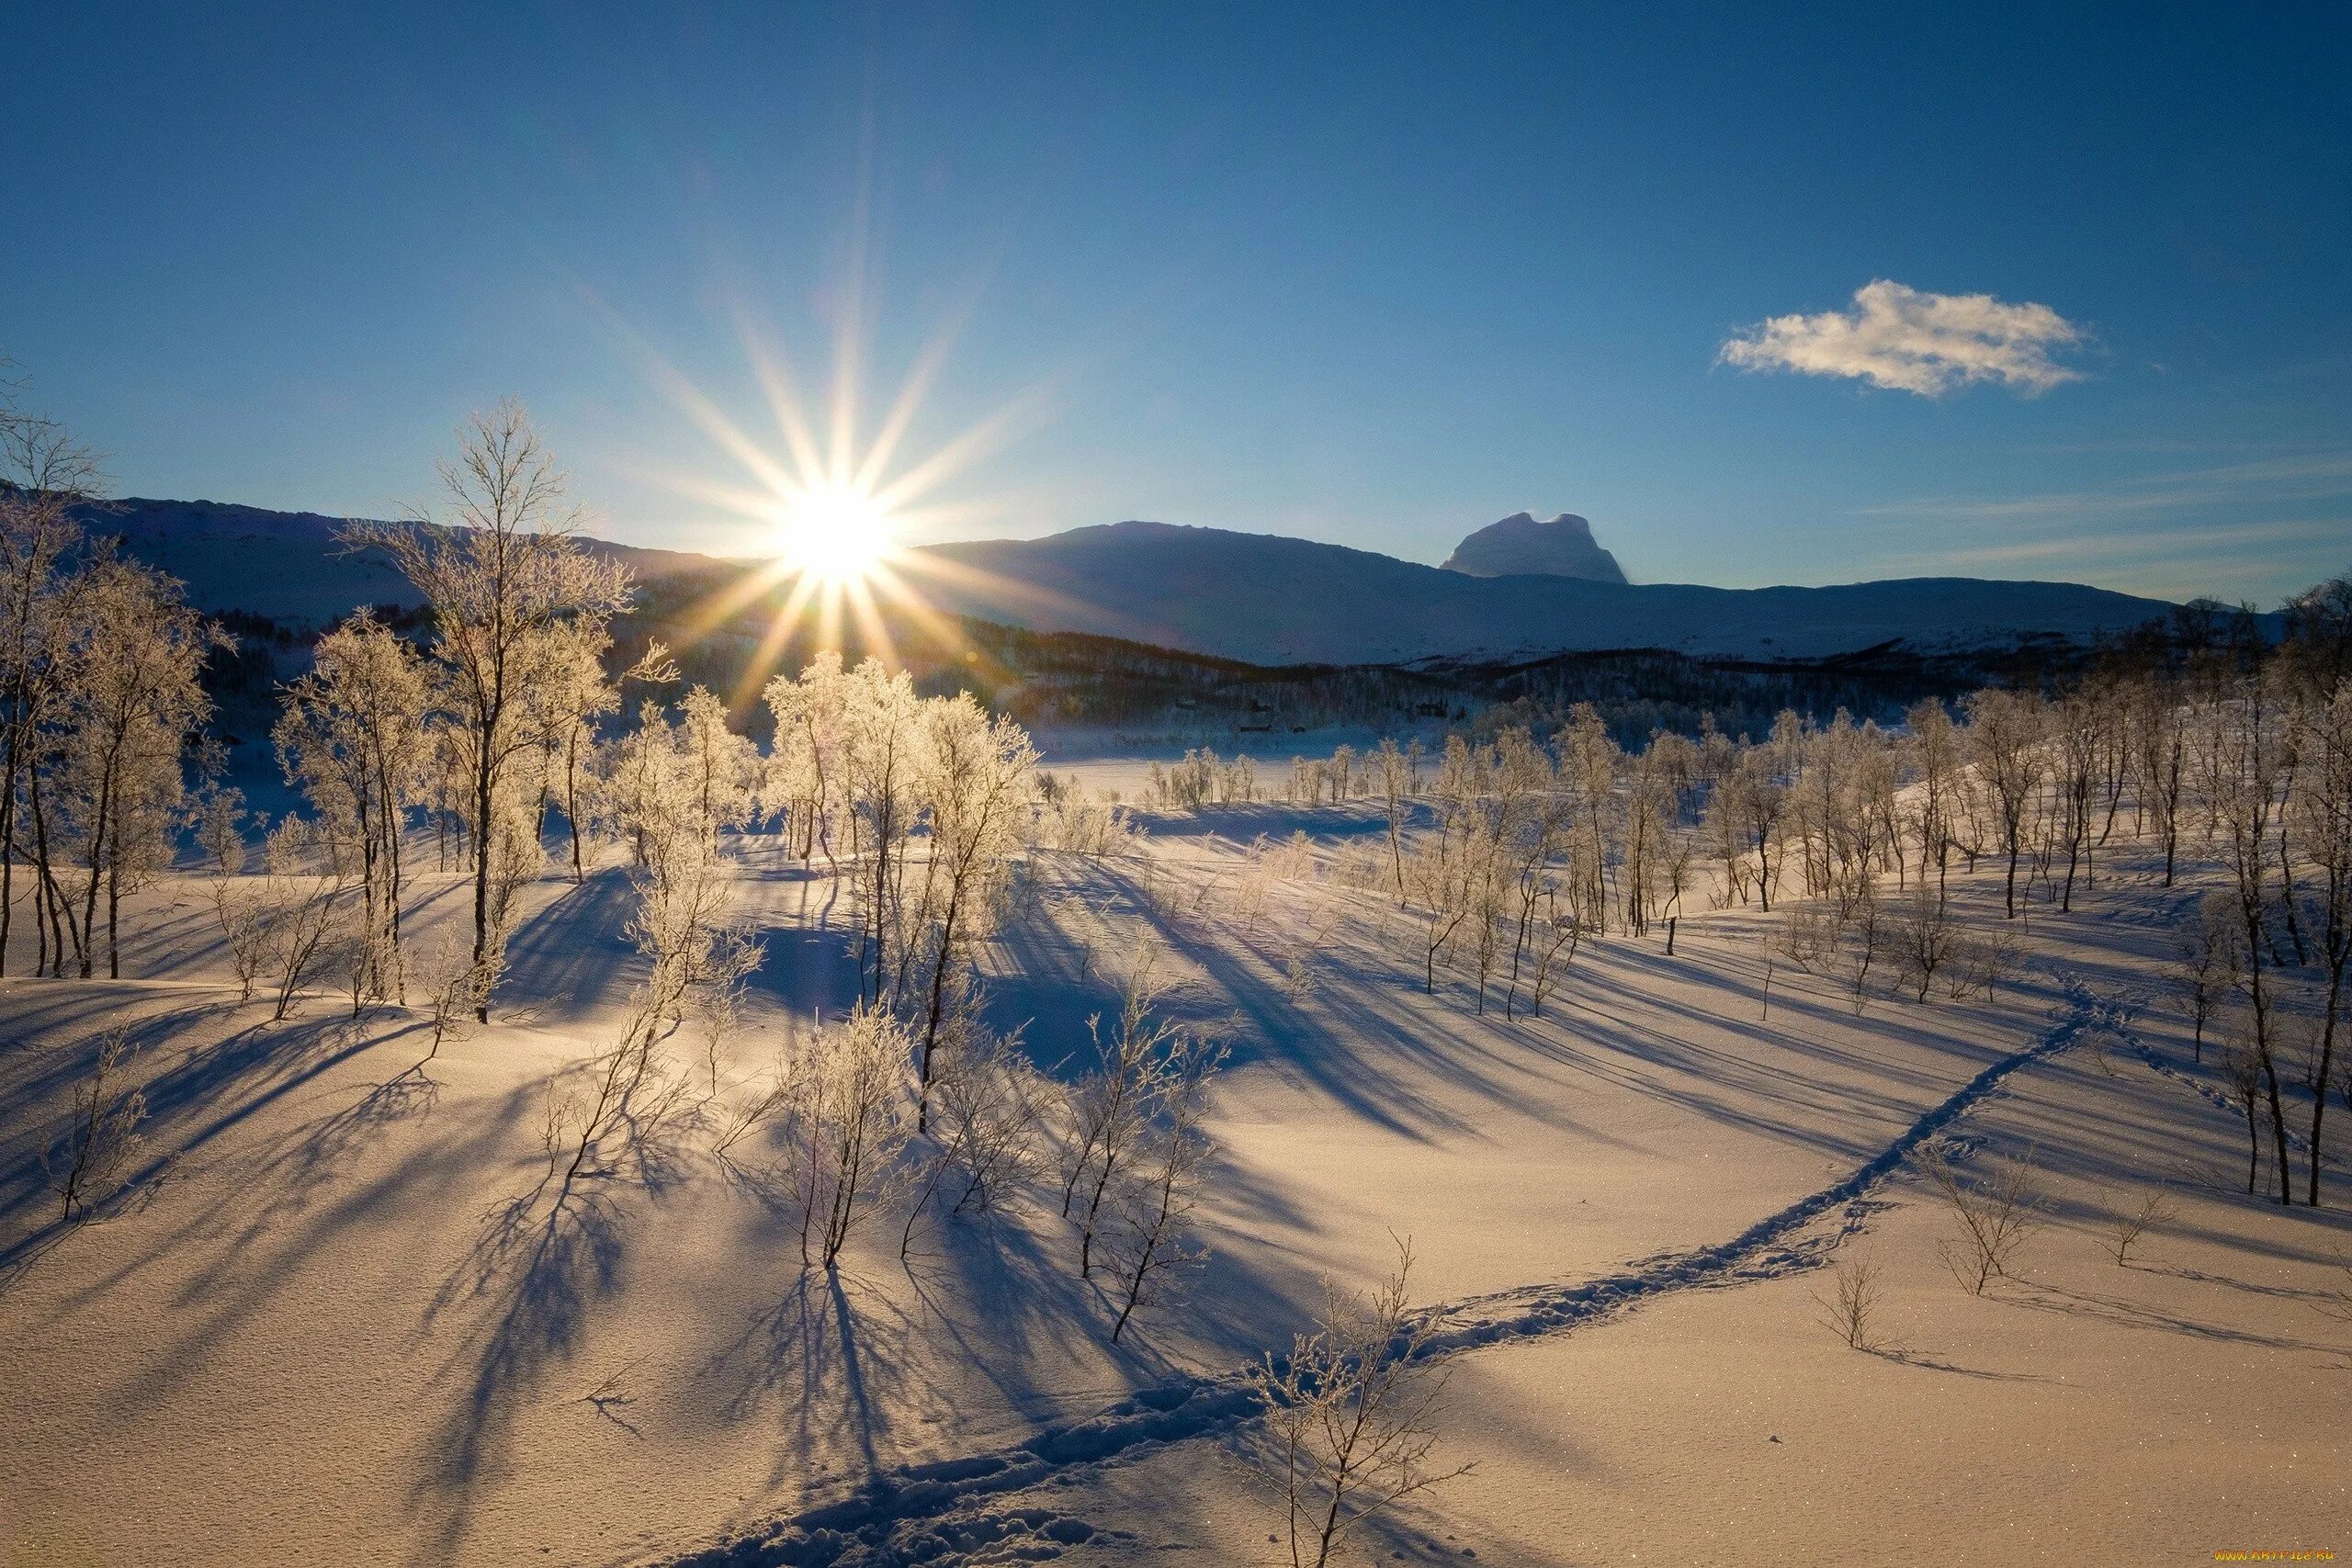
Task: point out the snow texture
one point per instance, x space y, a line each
926 1513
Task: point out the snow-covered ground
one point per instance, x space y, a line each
320 1328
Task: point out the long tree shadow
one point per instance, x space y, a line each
527 1285
849 1368
1903 1357
193 1101
2042 1296
571 957
833 1357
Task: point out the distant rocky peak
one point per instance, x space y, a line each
1519 545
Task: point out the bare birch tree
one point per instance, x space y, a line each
502 575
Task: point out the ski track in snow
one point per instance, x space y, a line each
937 1513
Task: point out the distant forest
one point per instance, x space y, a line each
1050 680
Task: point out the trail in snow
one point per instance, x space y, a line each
937 1513
2206 1091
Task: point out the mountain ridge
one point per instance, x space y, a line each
1272 599
1263 598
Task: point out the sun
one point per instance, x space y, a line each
830 509
839 534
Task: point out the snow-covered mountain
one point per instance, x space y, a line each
1262 598
1275 600
1521 546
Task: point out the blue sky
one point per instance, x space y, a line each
1375 276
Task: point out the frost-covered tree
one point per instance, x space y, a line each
987 1117
722 767
2160 732
2081 740
298 908
1936 755
2205 964
973 790
1351 1409
44 473
847 1116
2006 731
2245 764
1395 772
805 772
352 737
568 696
1155 1203
883 767
2323 812
133 695
1118 1106
89 1164
503 579
698 955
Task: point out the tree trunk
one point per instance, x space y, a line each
97 853
571 799
483 783
2320 1076
2253 1148
8 838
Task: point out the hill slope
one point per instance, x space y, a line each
286 565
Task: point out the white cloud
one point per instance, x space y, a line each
1914 342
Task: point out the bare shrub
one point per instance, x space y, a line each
362 957
758 1108
987 1102
2129 1223
632 1098
1110 1106
699 958
1809 937
454 987
846 1115
1925 939
1352 1409
1870 934
1984 963
1156 1205
2337 1303
2242 1071
1298 975
1850 1310
298 912
1553 937
989 1113
1996 1216
1068 821
88 1165
244 932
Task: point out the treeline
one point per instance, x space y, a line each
1070 680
